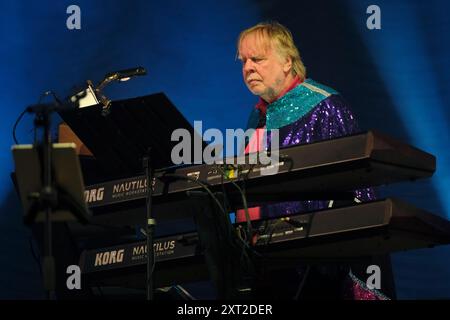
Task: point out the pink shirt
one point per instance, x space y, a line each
256 144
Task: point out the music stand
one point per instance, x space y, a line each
121 139
63 202
67 178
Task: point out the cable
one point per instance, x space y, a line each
44 94
225 201
249 234
250 231
230 230
15 125
204 185
244 201
228 227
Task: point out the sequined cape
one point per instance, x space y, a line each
308 113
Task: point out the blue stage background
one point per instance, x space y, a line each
396 79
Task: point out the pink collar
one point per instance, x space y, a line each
262 104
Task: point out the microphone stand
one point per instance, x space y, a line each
47 198
150 224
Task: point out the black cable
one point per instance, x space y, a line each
44 94
244 202
244 258
15 125
203 184
225 200
249 233
230 230
235 241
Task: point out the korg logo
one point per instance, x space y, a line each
109 257
94 195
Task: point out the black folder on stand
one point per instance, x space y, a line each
120 139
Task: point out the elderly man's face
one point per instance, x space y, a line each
265 72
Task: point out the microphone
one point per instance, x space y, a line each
124 75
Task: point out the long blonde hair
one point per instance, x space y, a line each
283 41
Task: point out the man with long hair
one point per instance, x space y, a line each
304 111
